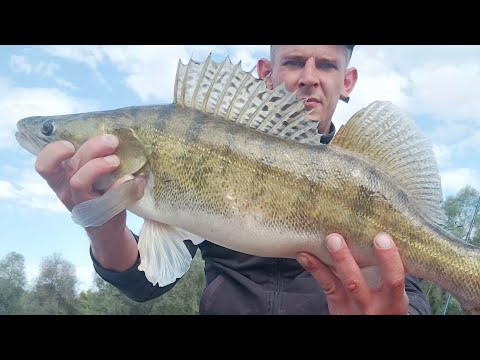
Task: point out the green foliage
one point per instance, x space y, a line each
12 268
438 298
107 300
183 299
54 290
12 283
460 210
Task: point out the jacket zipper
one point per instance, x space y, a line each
276 294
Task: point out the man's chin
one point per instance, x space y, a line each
314 116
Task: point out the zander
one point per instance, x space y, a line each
241 166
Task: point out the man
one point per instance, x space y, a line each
238 283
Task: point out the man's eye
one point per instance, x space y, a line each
293 63
326 66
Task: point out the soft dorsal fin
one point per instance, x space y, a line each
385 135
227 91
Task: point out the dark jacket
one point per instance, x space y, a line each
241 284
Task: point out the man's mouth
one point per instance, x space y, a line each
311 103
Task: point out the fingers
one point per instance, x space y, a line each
323 275
92 160
81 182
96 147
348 271
49 162
346 286
391 268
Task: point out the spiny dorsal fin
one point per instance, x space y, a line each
227 91
382 133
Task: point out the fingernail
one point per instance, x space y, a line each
69 145
127 177
383 241
110 140
334 243
112 159
303 261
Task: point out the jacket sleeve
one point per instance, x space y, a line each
132 282
419 304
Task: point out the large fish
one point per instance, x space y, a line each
242 166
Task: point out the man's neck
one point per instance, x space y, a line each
324 127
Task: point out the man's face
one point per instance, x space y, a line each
318 72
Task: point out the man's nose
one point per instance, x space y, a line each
309 76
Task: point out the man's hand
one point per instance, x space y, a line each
348 293
71 175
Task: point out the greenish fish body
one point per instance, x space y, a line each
241 166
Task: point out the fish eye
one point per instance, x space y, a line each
47 128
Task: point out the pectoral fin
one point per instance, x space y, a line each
164 257
98 211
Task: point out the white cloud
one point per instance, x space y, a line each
377 80
20 63
446 91
455 179
65 83
89 54
150 70
8 191
443 154
30 190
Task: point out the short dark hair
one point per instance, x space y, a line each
349 52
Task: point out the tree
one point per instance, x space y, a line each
182 299
105 299
460 210
12 283
54 290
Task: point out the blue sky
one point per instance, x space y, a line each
435 85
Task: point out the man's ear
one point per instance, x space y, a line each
264 69
349 81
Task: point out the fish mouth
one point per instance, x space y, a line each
33 144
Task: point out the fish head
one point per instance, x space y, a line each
36 132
